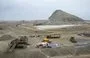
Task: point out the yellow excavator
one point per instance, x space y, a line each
44 43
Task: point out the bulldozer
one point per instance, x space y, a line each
18 43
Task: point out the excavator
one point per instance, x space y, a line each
18 43
46 43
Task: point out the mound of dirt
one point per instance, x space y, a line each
6 37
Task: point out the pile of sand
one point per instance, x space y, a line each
6 37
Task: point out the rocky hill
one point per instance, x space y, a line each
61 17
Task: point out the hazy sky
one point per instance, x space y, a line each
42 9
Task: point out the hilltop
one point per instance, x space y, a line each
61 17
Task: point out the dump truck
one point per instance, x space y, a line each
53 36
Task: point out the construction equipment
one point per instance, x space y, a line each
42 45
18 43
72 39
53 36
46 43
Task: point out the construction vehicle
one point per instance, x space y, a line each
18 43
72 39
46 43
43 44
53 36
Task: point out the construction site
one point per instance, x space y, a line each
48 39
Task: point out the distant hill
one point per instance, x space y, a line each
61 17
58 17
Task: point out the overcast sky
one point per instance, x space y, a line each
42 9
